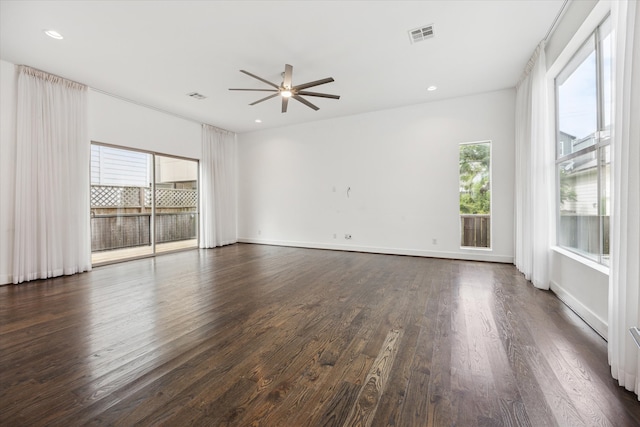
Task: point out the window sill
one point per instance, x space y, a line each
582 260
474 248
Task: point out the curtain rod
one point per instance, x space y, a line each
536 52
35 72
553 26
122 98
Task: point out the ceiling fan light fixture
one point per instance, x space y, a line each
53 34
287 90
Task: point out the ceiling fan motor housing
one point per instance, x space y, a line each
286 90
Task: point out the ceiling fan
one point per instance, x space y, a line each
286 90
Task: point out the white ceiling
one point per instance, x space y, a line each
155 52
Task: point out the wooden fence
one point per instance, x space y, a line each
110 232
475 231
121 216
582 232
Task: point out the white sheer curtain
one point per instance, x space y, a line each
52 231
624 278
534 173
218 217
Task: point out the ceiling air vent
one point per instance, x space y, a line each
196 95
421 34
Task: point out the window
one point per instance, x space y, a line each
133 190
583 117
475 194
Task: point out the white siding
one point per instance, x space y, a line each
587 192
112 166
170 169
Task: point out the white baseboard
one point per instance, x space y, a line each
476 256
5 280
593 320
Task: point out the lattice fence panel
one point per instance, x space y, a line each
108 196
175 198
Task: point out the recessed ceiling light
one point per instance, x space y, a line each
258 121
432 88
53 34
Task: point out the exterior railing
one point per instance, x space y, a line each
121 216
109 232
475 231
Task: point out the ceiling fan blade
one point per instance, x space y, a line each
305 102
321 95
260 78
288 72
258 90
264 99
314 83
285 102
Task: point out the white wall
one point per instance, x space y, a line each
111 120
118 122
573 17
8 88
401 166
582 284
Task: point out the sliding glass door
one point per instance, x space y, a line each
141 203
176 203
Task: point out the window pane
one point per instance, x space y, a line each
176 203
475 194
120 204
579 219
577 102
128 217
583 91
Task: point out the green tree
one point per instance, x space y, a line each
567 188
475 193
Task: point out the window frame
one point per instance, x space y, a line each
601 135
152 175
460 230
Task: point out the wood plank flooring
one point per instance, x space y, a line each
250 335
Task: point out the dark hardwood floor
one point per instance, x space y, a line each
254 335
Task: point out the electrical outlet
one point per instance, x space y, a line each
335 235
434 241
347 236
